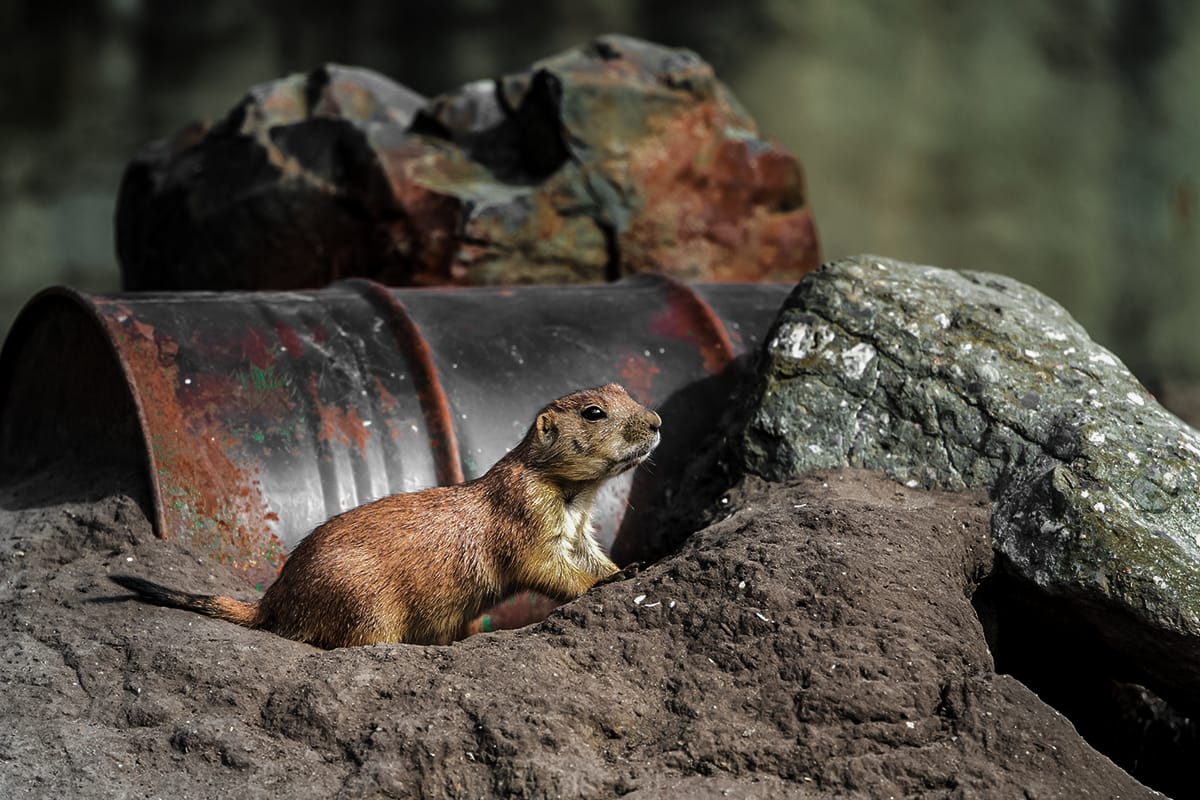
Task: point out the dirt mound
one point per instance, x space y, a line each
818 642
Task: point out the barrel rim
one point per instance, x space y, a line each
33 313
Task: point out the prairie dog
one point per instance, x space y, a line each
418 567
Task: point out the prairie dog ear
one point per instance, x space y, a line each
547 429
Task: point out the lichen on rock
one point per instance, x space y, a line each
968 380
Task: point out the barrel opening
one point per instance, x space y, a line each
69 428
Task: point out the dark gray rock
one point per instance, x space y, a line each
614 158
957 380
285 192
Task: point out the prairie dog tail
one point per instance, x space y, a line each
225 608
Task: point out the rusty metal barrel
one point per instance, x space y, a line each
257 416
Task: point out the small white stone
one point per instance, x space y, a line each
856 359
1135 398
797 340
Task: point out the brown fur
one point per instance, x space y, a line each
418 567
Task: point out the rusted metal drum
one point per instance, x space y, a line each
260 415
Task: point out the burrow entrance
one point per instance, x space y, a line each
1046 644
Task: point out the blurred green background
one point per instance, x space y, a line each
1055 142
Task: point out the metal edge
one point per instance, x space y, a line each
86 303
718 351
435 405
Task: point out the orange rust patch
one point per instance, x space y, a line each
387 400
343 427
144 330
637 374
718 208
200 493
387 404
339 425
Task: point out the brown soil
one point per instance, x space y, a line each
819 642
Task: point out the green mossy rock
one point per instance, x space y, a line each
967 380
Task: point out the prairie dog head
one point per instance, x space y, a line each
592 434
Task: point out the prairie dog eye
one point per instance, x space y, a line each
593 413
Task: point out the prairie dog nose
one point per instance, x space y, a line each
654 421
